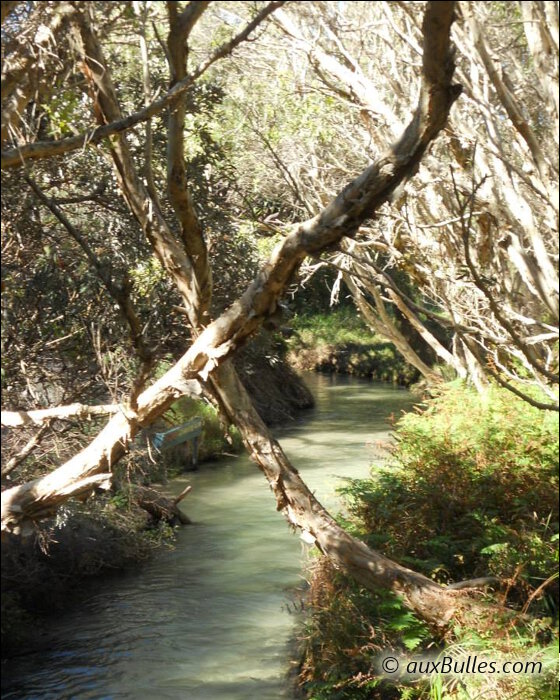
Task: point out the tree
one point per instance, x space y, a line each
82 78
465 252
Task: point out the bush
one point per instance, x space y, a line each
470 489
345 633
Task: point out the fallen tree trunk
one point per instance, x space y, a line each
160 507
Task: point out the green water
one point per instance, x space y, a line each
214 618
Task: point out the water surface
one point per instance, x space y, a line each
213 619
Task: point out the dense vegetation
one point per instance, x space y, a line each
189 189
469 491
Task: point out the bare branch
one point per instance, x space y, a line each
27 449
74 410
507 385
507 99
527 351
120 293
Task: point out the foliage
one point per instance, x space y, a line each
335 328
470 489
345 632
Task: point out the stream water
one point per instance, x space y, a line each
213 618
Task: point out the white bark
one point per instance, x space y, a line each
74 410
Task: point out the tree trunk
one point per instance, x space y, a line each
428 599
205 358
160 507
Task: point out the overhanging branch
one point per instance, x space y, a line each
357 202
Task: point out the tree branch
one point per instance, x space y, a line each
357 202
74 410
14 157
27 449
192 236
120 293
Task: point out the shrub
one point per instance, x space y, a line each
470 489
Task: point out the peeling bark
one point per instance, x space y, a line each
206 358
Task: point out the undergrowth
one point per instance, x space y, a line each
340 342
339 326
470 490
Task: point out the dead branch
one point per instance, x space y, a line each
76 410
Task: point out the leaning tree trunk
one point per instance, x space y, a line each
302 510
205 358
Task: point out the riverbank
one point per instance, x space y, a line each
212 618
459 499
339 342
120 529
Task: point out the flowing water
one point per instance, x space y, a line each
213 618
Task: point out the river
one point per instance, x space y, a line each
213 618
